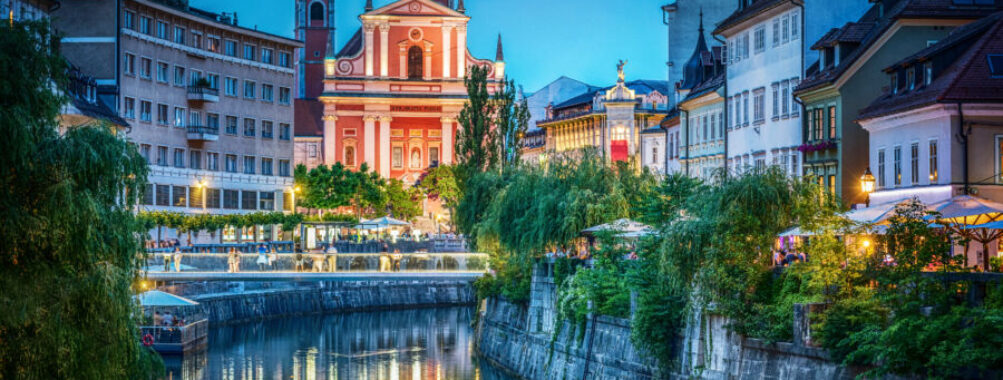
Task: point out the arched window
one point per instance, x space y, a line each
349 156
316 11
415 70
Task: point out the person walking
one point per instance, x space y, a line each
167 261
177 259
298 261
262 258
233 259
397 257
332 258
273 259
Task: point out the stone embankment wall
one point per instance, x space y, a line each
523 341
223 302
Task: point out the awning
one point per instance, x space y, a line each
968 210
162 299
619 225
382 222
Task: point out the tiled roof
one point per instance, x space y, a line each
705 87
652 130
307 121
967 79
871 27
672 118
750 11
640 87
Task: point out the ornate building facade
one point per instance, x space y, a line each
392 93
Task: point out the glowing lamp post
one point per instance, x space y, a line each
867 185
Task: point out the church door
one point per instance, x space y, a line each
414 63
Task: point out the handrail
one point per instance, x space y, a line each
203 129
202 90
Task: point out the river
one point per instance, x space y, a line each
402 344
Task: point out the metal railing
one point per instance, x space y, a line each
204 130
177 334
202 90
320 262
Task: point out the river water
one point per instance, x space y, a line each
403 344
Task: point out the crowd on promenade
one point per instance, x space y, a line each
320 259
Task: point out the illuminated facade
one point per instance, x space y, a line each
609 120
391 95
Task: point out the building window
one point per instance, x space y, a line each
914 162
881 168
266 92
415 62
161 30
285 95
790 97
196 40
162 155
266 56
285 132
897 165
230 48
397 157
129 64
934 173
832 184
195 118
129 108
231 199
832 122
759 103
212 44
249 128
195 159
179 196
212 161
248 89
129 20
776 32
230 86
894 85
784 104
433 156
162 72
147 195
145 68
162 114
231 125
163 195
785 29
179 76
910 79
266 166
776 99
231 163
284 59
144 150
145 111
179 35
212 198
745 108
284 168
248 165
212 121
249 200
249 52
927 73
267 200
144 25
349 154
266 129
179 158
760 39
795 25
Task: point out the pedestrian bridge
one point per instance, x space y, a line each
161 267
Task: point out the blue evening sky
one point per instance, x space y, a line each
543 39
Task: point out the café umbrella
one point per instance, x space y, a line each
156 298
381 223
968 216
619 225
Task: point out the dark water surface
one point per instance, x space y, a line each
404 344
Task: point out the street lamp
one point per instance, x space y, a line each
292 199
867 185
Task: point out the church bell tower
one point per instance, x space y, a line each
315 27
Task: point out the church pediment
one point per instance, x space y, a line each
415 8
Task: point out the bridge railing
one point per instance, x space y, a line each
308 262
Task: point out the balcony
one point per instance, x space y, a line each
202 133
202 93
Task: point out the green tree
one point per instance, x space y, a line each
439 183
403 203
71 246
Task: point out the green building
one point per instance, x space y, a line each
848 77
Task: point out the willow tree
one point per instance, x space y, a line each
70 244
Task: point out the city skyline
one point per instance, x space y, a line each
535 55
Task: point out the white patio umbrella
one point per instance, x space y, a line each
381 223
156 298
971 217
619 225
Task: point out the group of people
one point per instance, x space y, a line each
390 262
168 243
581 253
166 319
787 257
174 257
267 258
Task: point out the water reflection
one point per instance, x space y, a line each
406 344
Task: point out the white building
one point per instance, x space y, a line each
681 19
765 62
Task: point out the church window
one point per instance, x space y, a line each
397 157
316 12
433 155
415 67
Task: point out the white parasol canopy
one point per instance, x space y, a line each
381 222
619 225
156 298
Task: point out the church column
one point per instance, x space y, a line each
385 146
369 28
369 142
384 50
447 140
461 51
330 139
447 56
428 62
403 62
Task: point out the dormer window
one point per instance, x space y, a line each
895 83
910 79
927 73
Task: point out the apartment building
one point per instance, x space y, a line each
209 102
